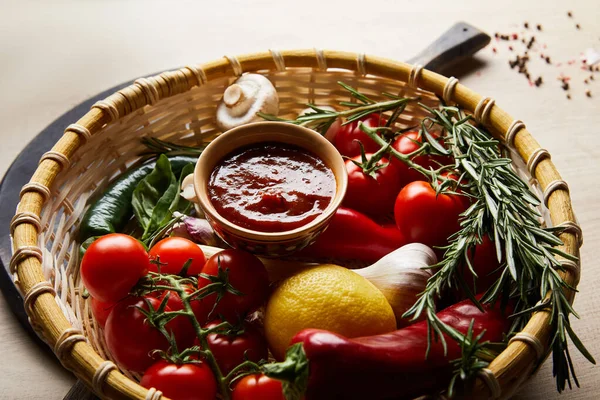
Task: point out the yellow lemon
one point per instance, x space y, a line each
325 297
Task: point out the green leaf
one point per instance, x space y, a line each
157 196
577 342
84 246
293 372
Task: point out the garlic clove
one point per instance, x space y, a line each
187 189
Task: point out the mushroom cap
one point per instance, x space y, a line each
248 95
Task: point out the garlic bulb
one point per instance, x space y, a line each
333 129
250 94
401 276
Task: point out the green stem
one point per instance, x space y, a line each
240 367
201 334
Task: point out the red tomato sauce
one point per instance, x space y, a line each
271 187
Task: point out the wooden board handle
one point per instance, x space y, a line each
456 44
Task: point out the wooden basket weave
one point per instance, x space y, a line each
180 106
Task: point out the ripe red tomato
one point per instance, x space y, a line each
372 195
173 253
131 339
199 307
348 136
485 263
112 265
101 310
258 387
406 144
181 382
426 218
230 351
247 274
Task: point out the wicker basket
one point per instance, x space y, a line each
180 106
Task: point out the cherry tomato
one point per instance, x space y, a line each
372 195
181 382
485 263
112 265
258 387
173 253
230 351
426 218
347 138
406 144
101 310
174 302
247 274
129 336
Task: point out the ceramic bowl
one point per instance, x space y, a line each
268 244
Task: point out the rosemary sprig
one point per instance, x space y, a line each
321 119
470 363
156 147
504 209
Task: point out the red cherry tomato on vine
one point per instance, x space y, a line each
230 351
426 218
408 143
199 307
348 136
246 274
181 382
173 253
112 265
258 387
368 194
131 338
101 310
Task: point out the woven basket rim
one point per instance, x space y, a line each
503 376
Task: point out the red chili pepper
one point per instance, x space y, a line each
391 365
354 236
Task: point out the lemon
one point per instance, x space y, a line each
325 297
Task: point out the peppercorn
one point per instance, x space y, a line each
569 96
547 60
570 14
578 26
539 27
526 25
588 93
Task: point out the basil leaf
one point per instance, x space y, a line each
156 197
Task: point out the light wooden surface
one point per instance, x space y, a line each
53 55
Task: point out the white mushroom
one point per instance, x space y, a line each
333 129
250 94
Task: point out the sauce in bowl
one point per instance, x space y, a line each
271 187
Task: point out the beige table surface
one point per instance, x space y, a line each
53 55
